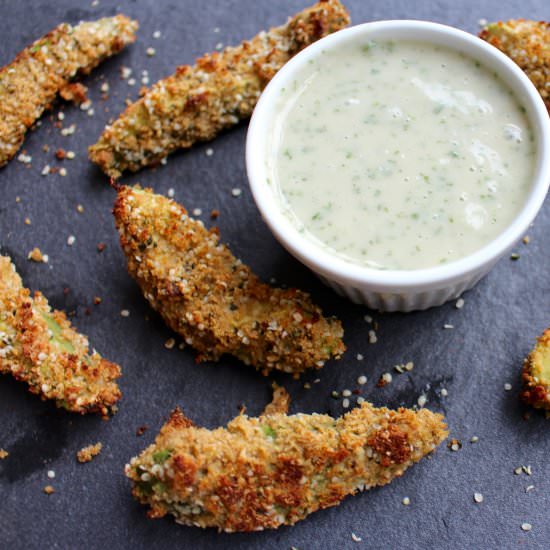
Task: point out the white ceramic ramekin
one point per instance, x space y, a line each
394 290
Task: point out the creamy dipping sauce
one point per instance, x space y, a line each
400 155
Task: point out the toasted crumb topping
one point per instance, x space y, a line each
260 473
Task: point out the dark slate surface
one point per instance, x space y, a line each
92 506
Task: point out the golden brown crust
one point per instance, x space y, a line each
31 82
527 43
260 473
211 298
39 346
536 374
197 103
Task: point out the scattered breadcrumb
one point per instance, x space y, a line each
386 378
3 454
49 490
141 430
454 445
526 239
36 255
170 343
86 454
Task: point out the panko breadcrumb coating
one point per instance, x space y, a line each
39 346
32 81
261 473
527 43
211 298
536 374
197 103
87 454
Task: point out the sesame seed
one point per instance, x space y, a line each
91 112
170 343
197 212
71 240
105 87
219 46
70 155
25 159
125 72
507 386
422 400
236 192
526 527
171 192
514 257
362 380
372 337
355 538
145 80
368 318
209 152
131 82
346 393
409 366
345 403
482 22
360 400
526 239
334 394
63 172
406 501
69 130
446 326
27 221
444 392
51 474
478 498
518 470
387 377
85 105
474 439
156 34
459 303
79 208
61 116
527 470
124 313
216 29
529 488
150 51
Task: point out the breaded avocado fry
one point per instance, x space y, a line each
32 81
536 374
261 473
39 346
211 298
198 102
527 43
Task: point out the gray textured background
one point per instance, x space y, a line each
92 506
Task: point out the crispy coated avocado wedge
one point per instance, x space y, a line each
39 346
211 298
32 81
261 473
198 102
536 374
527 43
